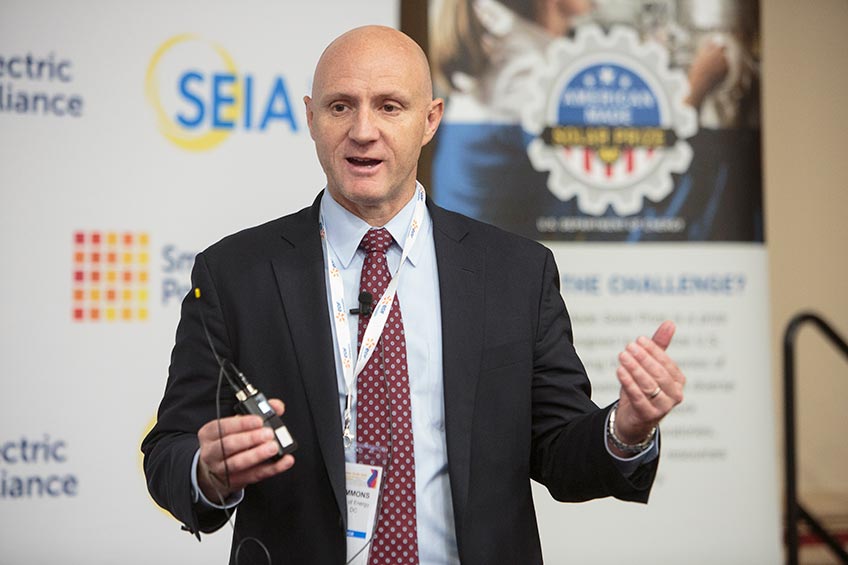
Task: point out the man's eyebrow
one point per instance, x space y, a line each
330 96
388 95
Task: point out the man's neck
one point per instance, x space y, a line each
377 215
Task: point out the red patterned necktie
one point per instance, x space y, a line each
396 536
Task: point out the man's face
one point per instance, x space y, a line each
370 114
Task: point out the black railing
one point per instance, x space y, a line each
794 510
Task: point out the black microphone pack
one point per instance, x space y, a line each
250 399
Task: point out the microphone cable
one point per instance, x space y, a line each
222 371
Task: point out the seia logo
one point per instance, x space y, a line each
110 276
199 96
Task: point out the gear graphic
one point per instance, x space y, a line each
619 88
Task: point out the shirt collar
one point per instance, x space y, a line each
345 230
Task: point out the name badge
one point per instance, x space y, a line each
362 484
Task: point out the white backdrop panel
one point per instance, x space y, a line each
88 389
716 497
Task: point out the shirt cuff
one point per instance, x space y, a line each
628 465
197 495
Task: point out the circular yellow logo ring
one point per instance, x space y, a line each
177 135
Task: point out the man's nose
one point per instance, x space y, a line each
364 127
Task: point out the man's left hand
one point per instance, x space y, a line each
651 385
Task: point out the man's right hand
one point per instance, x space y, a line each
247 444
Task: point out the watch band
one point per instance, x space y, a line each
627 447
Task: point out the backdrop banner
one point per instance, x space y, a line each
132 135
625 135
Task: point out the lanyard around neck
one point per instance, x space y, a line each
378 317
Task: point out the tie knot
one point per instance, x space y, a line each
376 241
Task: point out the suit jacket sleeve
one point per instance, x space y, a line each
170 446
264 304
569 455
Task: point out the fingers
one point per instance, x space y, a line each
649 349
234 452
277 405
651 391
235 424
223 427
241 449
650 368
664 333
651 383
261 471
640 387
220 485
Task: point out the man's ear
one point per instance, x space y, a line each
434 118
307 102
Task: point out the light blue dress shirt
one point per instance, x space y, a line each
418 293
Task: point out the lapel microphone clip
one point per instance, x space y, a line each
366 304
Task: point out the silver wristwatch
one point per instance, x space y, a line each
633 448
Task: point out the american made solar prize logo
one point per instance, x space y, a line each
110 276
608 121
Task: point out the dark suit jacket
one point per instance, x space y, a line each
517 400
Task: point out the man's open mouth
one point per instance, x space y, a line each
362 162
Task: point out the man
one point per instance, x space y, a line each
494 395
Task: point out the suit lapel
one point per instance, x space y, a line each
461 287
300 278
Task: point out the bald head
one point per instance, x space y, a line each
370 113
369 43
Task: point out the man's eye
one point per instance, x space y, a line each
338 107
391 108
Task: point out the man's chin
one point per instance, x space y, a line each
366 191
363 197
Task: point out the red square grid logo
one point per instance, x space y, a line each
109 276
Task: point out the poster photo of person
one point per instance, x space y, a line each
605 120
